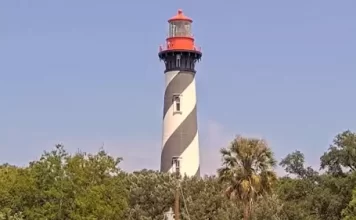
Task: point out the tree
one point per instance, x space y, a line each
79 186
269 208
92 186
341 155
8 215
17 189
294 164
332 195
151 194
349 213
247 171
312 195
202 198
97 186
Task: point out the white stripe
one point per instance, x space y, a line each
189 163
169 76
172 121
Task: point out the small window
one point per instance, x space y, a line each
178 61
176 164
176 102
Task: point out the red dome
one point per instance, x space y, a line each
180 17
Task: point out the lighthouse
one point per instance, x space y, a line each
180 142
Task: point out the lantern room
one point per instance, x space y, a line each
180 36
180 51
180 29
180 26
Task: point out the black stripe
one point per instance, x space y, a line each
179 140
176 86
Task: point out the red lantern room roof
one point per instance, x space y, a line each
180 17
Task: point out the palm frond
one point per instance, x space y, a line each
247 169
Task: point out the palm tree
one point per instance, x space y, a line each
247 170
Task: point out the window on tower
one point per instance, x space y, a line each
177 100
176 164
176 104
178 61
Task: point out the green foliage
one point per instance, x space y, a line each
85 186
60 186
341 155
151 194
349 213
16 189
312 195
269 207
294 164
205 200
7 214
247 171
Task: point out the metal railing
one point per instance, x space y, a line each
169 47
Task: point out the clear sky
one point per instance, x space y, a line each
85 73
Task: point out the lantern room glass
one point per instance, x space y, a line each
180 29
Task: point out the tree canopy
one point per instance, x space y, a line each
86 186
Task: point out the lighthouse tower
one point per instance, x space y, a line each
180 144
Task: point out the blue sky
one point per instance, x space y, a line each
85 73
